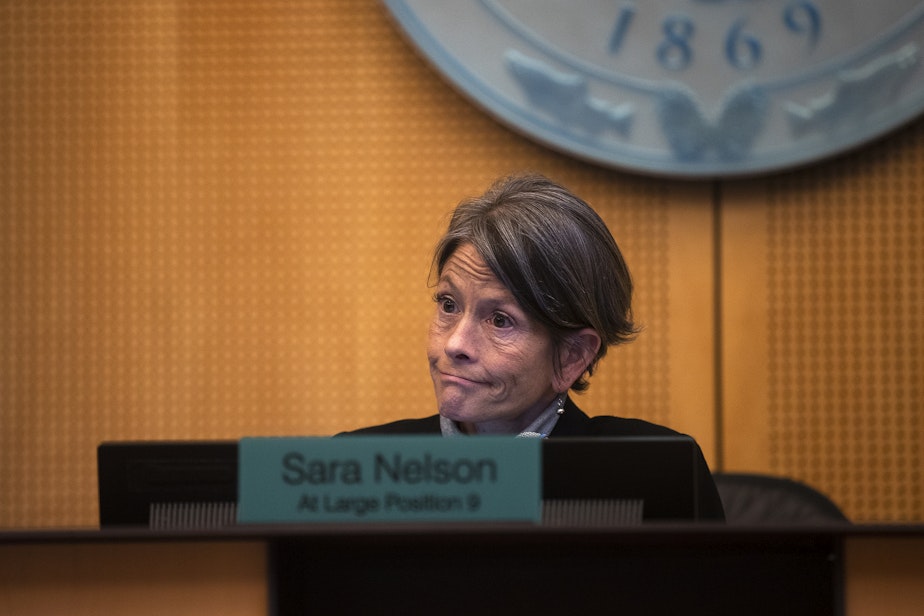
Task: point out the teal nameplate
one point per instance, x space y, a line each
387 478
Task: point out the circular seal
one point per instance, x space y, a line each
682 88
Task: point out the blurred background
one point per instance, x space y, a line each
217 221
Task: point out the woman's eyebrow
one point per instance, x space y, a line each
446 279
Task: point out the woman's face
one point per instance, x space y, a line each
491 364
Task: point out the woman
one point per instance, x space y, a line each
531 291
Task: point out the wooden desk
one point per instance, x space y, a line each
94 573
855 570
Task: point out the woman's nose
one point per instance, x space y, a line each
461 340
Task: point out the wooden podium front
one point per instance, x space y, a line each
465 569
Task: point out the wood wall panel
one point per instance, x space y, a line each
217 221
823 327
121 577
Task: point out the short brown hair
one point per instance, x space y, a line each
555 255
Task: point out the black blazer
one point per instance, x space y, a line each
574 422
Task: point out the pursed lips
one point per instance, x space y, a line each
459 380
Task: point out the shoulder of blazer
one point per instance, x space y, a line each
574 422
424 425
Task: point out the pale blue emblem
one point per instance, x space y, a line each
688 88
855 94
566 97
729 133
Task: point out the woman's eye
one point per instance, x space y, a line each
501 320
446 304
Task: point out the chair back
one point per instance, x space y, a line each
755 499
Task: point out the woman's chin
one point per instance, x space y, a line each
454 413
460 411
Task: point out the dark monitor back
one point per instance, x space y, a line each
658 472
186 484
135 477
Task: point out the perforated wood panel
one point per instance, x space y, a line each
217 220
823 291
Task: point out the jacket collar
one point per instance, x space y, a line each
573 422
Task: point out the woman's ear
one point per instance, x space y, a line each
577 353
